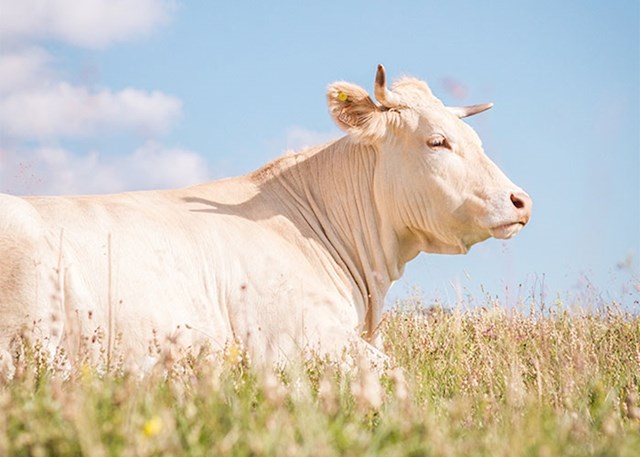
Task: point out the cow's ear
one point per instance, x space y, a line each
354 111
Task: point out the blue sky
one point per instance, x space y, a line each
139 94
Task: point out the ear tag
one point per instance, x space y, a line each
342 96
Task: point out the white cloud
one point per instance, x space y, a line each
84 23
52 170
39 110
20 70
34 104
63 110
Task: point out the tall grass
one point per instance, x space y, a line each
481 382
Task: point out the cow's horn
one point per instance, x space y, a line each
465 111
386 98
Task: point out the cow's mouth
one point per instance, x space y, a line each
506 231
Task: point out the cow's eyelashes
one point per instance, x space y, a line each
438 141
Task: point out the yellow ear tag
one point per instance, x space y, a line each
342 97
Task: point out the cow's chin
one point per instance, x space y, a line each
506 231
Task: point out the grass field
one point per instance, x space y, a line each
482 382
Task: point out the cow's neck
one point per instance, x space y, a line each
330 191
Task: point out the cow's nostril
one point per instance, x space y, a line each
517 201
522 204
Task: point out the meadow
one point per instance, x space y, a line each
481 382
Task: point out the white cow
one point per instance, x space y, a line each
296 255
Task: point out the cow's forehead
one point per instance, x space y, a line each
415 93
417 96
430 110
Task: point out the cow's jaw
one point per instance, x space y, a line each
506 231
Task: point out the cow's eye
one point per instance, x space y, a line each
438 141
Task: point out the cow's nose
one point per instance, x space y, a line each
522 203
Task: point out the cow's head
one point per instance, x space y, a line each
432 178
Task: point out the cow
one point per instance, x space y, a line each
296 256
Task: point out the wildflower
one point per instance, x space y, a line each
633 411
274 391
327 396
401 389
366 389
152 427
86 372
233 354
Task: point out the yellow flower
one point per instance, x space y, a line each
86 373
233 354
152 427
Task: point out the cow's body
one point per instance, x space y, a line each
298 255
269 259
